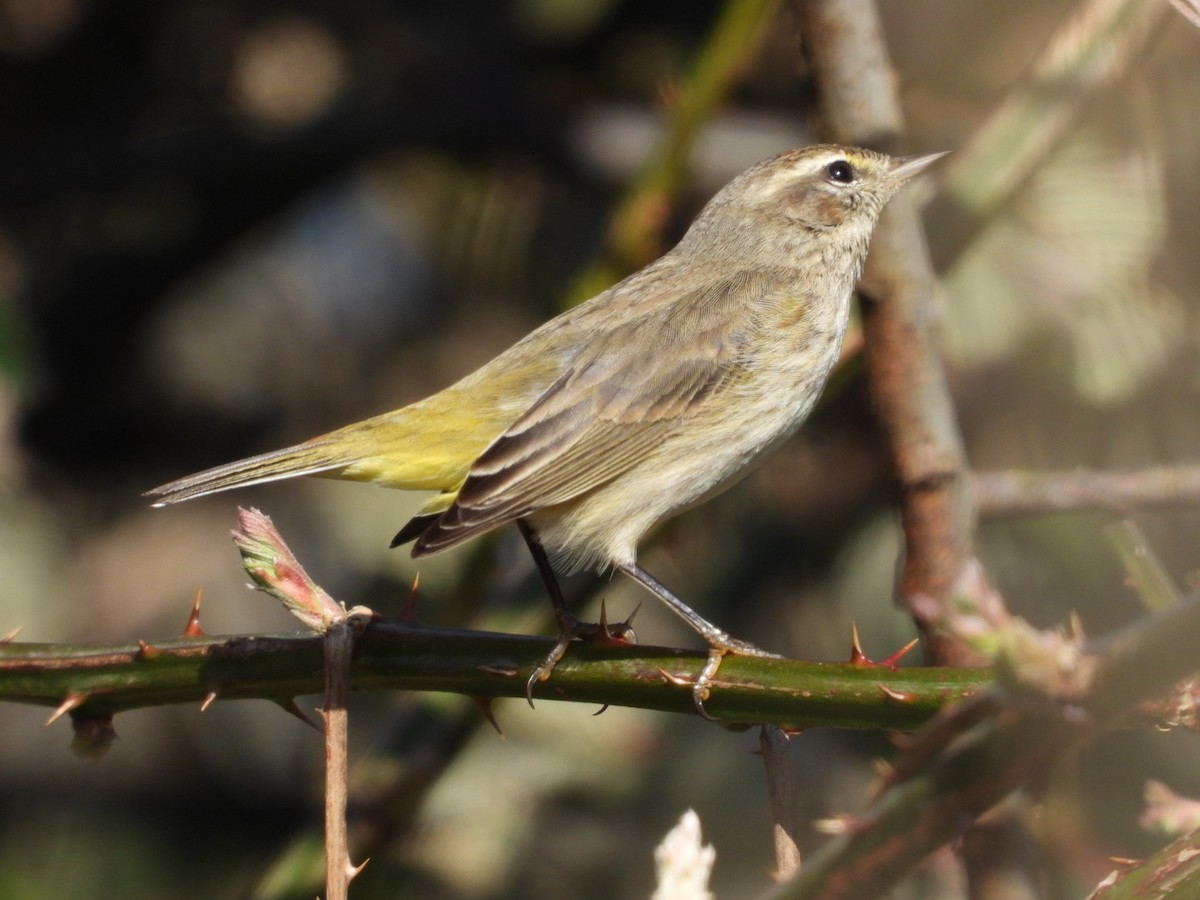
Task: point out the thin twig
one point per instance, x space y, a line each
276 571
386 792
339 642
1015 493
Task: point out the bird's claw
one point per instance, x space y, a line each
570 629
716 654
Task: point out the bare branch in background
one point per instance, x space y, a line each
1028 493
1189 9
1090 53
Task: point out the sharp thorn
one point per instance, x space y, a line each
485 707
289 706
607 634
623 631
192 629
408 612
857 657
899 696
890 662
72 701
208 700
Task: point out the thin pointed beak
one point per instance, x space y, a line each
906 167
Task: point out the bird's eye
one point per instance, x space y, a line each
840 171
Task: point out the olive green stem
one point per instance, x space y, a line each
1146 573
636 226
388 656
1164 875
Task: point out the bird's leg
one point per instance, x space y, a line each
719 642
569 627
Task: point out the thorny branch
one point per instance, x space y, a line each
394 655
975 754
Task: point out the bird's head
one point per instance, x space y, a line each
811 191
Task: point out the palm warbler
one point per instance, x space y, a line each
647 399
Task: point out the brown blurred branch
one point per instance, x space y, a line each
773 746
1013 493
911 395
907 381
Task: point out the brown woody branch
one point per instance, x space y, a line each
908 384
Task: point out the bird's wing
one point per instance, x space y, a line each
628 389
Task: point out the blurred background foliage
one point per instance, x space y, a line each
226 226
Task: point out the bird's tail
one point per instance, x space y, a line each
310 458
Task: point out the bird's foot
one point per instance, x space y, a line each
720 645
602 633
